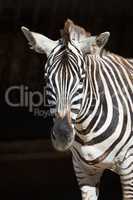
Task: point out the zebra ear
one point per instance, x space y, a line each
38 42
102 39
94 44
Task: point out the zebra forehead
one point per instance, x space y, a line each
69 57
67 53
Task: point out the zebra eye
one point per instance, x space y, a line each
81 80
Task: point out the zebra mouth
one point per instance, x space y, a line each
61 145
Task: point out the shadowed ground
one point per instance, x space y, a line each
33 170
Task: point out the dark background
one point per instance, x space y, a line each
21 66
23 178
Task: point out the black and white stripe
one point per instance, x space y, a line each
105 124
65 80
127 62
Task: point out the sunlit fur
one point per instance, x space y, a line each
98 95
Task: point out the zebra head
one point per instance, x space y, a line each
65 70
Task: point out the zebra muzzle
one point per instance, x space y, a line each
62 134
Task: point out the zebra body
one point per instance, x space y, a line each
92 98
105 136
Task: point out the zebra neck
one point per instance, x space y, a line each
106 111
93 98
93 92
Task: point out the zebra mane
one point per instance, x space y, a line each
65 37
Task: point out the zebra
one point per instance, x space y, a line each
91 98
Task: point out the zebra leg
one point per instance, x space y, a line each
126 175
88 180
89 192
